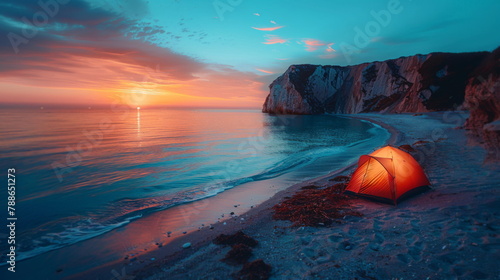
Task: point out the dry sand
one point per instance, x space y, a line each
449 232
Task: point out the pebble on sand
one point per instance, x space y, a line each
375 247
186 245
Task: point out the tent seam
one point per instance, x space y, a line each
393 180
364 176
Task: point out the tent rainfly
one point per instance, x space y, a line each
388 174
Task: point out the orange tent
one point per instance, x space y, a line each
387 174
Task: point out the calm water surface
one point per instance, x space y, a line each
83 173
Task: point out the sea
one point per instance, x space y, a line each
82 173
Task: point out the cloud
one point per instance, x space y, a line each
136 9
274 39
264 71
312 44
268 28
329 52
87 50
328 56
329 47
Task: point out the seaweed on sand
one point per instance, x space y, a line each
237 238
407 148
340 178
239 254
316 207
256 270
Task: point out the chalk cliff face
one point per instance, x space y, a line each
482 93
419 83
482 99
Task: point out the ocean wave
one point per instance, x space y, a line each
85 229
126 210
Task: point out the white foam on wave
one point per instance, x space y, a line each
86 230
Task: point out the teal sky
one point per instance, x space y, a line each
218 32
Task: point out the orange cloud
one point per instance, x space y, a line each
264 71
98 63
268 28
273 39
329 52
313 45
329 48
104 81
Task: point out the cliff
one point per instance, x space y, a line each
419 83
482 99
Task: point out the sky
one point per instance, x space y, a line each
213 53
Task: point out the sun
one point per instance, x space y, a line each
138 108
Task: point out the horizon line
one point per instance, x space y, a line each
108 106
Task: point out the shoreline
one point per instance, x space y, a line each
172 251
434 233
437 141
254 216
97 257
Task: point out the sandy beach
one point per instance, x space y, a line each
448 232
